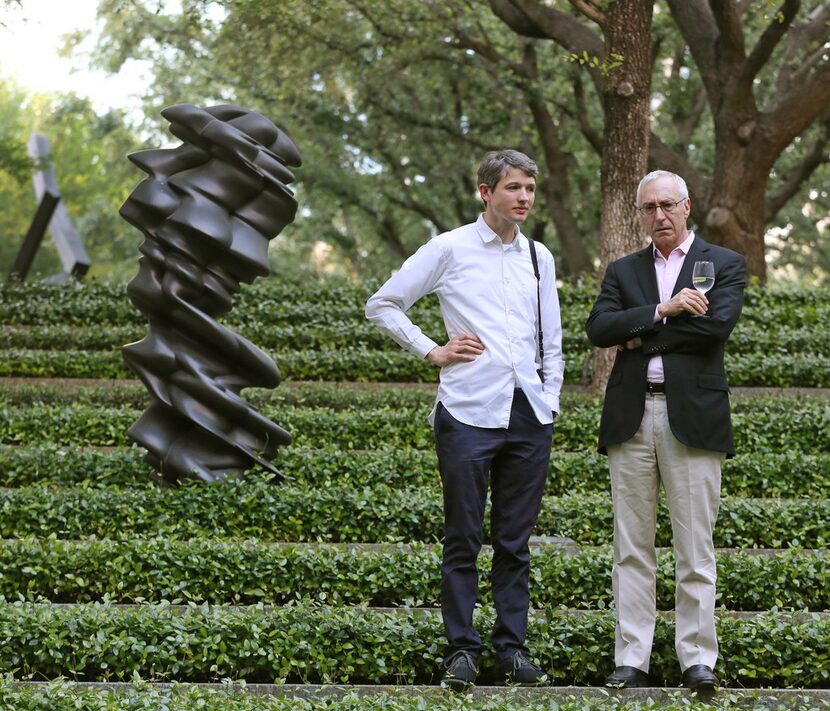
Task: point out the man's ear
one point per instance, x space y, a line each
484 192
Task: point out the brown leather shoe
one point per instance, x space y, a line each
627 678
699 677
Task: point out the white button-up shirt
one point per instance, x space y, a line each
487 290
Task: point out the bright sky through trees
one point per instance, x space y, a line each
30 43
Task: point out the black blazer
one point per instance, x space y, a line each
697 392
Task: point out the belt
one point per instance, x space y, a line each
652 388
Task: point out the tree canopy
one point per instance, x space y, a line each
393 102
370 89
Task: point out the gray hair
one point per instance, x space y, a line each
656 175
496 163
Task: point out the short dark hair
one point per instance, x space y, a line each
496 163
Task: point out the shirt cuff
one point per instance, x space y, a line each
552 400
422 345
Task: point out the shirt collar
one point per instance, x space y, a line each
487 235
684 247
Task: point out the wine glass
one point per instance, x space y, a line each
703 276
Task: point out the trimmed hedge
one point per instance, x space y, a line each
248 572
352 396
331 395
802 426
766 474
278 301
362 469
306 336
378 514
311 644
747 337
318 331
359 364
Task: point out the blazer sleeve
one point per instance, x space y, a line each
610 323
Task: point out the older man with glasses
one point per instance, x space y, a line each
666 420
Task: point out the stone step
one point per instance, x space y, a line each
733 698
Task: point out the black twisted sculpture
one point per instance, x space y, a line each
208 210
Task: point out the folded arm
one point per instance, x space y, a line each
611 322
685 334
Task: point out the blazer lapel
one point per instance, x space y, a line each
646 276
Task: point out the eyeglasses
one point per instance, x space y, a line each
667 206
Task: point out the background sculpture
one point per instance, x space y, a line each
52 213
208 210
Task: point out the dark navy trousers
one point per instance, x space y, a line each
513 463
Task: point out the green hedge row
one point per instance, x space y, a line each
279 301
765 475
357 364
248 572
377 514
333 396
346 396
803 427
310 644
360 364
746 339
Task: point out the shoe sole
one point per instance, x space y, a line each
704 686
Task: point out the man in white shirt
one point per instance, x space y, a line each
493 414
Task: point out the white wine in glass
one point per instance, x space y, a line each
703 276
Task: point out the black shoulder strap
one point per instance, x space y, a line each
538 308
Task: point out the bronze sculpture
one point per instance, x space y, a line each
208 210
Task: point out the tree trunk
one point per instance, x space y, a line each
737 222
625 146
575 258
736 203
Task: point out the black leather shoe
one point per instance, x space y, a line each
699 677
518 671
461 672
627 678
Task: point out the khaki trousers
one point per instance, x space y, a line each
691 479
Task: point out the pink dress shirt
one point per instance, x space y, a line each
667 271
